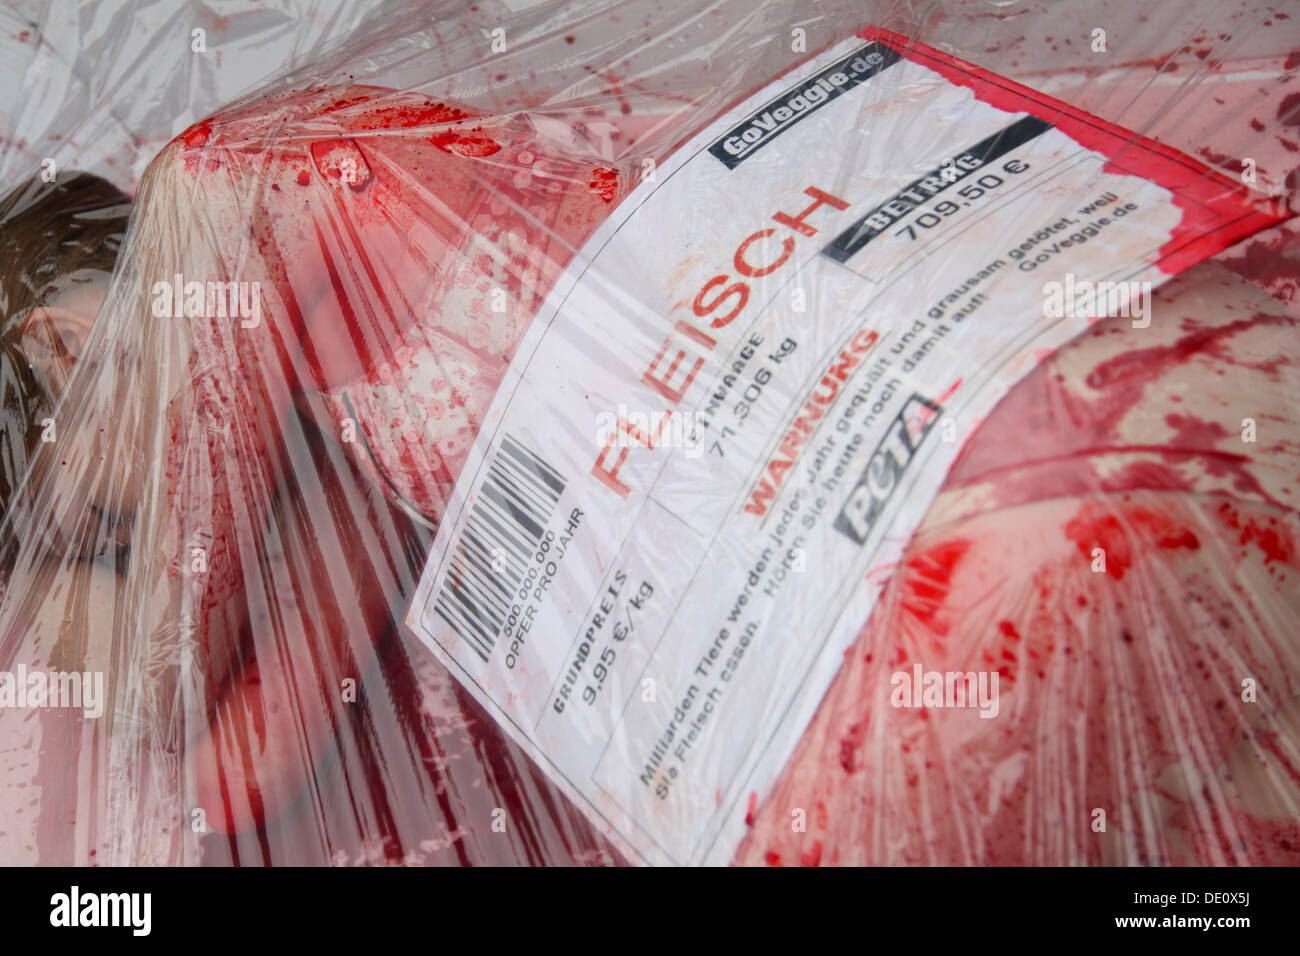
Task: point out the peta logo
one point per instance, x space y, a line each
885 468
102 909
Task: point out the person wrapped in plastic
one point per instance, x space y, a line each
320 294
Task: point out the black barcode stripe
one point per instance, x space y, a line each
490 559
521 516
525 479
516 492
477 611
471 631
528 500
474 549
484 559
535 494
504 537
548 474
475 570
463 619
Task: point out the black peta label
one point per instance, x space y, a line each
799 102
885 468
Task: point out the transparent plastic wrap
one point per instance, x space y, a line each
397 485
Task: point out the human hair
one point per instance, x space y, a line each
48 230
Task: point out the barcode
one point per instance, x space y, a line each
490 562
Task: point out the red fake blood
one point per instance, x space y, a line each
604 183
1271 842
1058 460
1269 740
1288 111
1264 261
927 578
196 135
340 161
851 744
1192 432
1140 366
813 856
1230 163
471 145
1272 538
1123 534
461 139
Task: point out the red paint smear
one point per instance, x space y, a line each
462 144
1231 163
1269 842
1269 740
385 114
196 135
1137 368
927 580
604 183
1265 263
333 156
1275 540
616 88
1288 111
468 141
1122 534
753 805
948 392
1192 431
1216 211
1071 426
850 744
813 856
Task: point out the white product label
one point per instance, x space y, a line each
735 408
